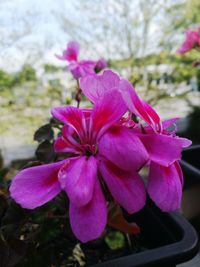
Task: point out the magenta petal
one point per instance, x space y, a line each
132 100
163 149
89 222
138 106
127 188
67 142
95 86
165 186
82 68
77 178
121 146
108 110
33 187
72 51
169 122
69 115
62 145
184 48
179 171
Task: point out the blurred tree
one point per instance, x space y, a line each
181 14
5 80
26 74
51 68
121 27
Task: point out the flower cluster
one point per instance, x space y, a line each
192 41
107 146
80 68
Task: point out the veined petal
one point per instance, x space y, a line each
127 188
33 187
95 86
108 110
155 119
67 142
121 146
163 149
88 222
165 186
77 178
71 52
71 116
137 106
62 145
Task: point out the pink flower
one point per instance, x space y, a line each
191 41
80 68
165 179
71 52
164 147
104 152
95 86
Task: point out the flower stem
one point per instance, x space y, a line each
78 94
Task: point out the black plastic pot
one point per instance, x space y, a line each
168 237
190 164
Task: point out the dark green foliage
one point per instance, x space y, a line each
45 152
45 132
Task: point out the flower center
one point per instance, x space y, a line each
89 149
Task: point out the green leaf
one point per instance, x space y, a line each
44 133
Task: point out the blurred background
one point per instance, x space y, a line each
138 38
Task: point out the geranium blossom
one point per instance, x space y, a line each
165 179
192 40
104 152
80 68
164 147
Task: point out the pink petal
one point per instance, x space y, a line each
127 188
108 110
61 57
165 186
179 171
72 51
33 187
163 149
70 116
62 145
89 222
67 142
121 146
82 68
169 122
96 85
77 178
190 41
185 47
137 106
155 119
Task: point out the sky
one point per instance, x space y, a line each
32 31
27 25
